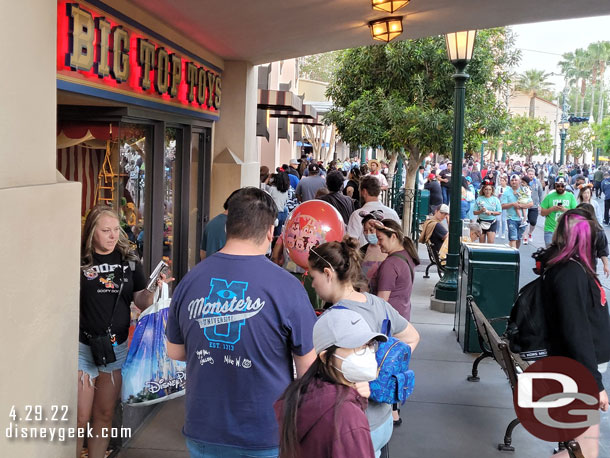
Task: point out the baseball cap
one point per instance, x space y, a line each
469 179
560 179
342 328
294 161
431 176
313 168
444 208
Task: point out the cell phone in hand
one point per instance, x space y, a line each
560 204
162 268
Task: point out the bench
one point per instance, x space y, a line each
434 261
493 346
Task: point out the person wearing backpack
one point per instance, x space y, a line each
335 269
575 306
322 413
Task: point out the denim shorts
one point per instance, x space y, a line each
382 435
87 365
515 230
199 449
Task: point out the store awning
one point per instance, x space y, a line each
307 112
279 100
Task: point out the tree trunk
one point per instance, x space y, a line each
532 105
592 101
412 166
600 105
583 93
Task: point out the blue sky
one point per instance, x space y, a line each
543 43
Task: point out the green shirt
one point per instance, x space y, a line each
568 201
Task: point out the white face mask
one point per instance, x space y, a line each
359 368
371 238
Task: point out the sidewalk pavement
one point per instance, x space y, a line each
446 416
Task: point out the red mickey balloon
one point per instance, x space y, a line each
311 224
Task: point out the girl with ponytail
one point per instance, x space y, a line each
335 269
393 281
576 308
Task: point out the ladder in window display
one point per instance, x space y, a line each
106 180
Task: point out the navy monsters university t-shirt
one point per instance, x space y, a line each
240 318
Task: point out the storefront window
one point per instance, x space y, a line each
134 149
172 147
194 233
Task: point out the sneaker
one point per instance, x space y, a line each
525 240
523 224
531 237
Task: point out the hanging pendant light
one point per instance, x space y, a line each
389 6
386 29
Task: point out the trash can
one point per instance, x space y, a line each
424 204
490 274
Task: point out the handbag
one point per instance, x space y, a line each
485 225
149 374
102 347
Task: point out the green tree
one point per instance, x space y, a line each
319 67
534 83
400 96
602 134
578 141
529 137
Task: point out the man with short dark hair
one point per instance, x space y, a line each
309 185
239 321
554 205
214 235
344 204
369 192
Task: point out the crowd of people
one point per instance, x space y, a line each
266 376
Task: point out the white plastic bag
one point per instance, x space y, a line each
149 375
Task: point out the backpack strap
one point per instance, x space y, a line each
386 325
404 258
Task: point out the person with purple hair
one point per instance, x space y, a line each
575 306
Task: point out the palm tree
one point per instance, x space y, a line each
533 82
570 74
582 68
600 56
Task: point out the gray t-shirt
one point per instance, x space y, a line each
374 311
308 187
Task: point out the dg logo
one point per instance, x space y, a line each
557 399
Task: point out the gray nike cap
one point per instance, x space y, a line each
342 328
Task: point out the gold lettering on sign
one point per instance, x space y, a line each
120 51
161 71
103 32
175 74
217 93
191 80
146 51
82 32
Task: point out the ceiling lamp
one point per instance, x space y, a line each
386 29
460 46
389 6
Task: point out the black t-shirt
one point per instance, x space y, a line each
354 185
438 237
99 287
436 195
446 174
344 204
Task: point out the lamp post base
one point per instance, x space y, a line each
446 288
442 306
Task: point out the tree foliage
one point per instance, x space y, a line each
578 141
528 137
319 67
534 83
602 134
400 96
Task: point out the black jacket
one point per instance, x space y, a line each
578 323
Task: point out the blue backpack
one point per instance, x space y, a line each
395 381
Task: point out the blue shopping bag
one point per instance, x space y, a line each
149 375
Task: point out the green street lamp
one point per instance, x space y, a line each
460 46
563 132
483 143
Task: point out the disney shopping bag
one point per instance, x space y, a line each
149 375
